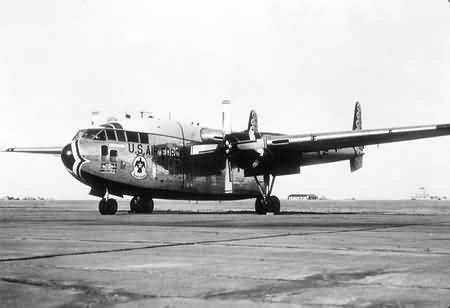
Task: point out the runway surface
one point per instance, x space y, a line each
317 254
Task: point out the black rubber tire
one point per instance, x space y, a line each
260 206
274 204
141 205
147 205
111 206
134 204
102 206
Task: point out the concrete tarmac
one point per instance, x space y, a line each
316 254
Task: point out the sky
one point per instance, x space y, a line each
300 64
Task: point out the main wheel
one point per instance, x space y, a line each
107 206
260 206
147 205
141 205
134 204
102 207
111 206
274 204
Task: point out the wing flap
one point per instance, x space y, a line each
336 140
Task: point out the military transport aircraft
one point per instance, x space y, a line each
152 158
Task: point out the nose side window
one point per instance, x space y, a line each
104 152
113 156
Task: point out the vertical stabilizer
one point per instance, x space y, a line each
252 126
357 119
357 161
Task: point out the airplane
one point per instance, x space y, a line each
152 158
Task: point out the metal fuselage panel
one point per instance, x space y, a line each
162 167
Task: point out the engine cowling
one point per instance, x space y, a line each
209 135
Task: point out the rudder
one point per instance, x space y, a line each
357 117
357 161
252 126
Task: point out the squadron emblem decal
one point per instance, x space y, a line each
139 168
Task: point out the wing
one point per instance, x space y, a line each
37 150
355 138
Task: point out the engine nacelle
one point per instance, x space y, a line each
209 135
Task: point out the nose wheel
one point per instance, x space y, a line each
139 204
107 206
266 202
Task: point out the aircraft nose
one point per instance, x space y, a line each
67 157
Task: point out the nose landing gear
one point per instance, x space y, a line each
266 202
107 206
141 204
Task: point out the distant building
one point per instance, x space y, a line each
423 195
9 198
303 197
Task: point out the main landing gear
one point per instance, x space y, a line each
141 204
107 206
266 202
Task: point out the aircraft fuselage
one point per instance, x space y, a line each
154 160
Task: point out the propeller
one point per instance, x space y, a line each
247 141
95 118
226 128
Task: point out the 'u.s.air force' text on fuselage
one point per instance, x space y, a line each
166 150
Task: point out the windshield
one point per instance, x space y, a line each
92 133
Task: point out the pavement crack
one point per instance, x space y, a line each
257 237
397 286
344 249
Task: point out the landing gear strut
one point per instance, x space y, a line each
107 206
141 204
266 202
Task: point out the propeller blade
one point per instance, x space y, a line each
226 117
228 179
95 118
226 128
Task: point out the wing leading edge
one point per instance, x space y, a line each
36 150
344 139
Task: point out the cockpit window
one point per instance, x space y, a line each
120 135
88 133
143 137
111 135
101 136
132 137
